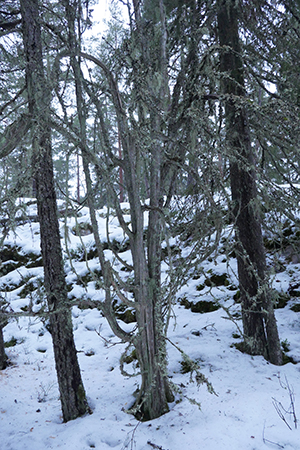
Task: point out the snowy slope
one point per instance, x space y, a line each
251 393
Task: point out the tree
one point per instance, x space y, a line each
3 357
260 329
154 126
72 394
149 341
3 322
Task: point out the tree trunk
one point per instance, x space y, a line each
72 394
3 357
260 329
155 392
3 323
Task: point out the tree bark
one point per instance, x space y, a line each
72 394
260 329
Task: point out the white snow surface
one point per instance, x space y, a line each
242 416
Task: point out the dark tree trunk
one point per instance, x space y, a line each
3 357
3 323
71 388
260 329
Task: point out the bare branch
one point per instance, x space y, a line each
12 100
14 134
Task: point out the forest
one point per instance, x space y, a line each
150 181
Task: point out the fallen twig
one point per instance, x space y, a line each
158 447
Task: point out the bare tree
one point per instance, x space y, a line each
149 341
150 122
155 127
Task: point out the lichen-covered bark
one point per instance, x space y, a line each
72 393
155 391
260 329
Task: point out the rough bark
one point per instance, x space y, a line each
72 394
260 329
155 392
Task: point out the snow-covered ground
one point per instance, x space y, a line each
253 400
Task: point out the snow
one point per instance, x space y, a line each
241 416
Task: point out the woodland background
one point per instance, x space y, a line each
169 141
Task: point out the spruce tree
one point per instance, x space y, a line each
260 329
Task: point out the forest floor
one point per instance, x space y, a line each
255 405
